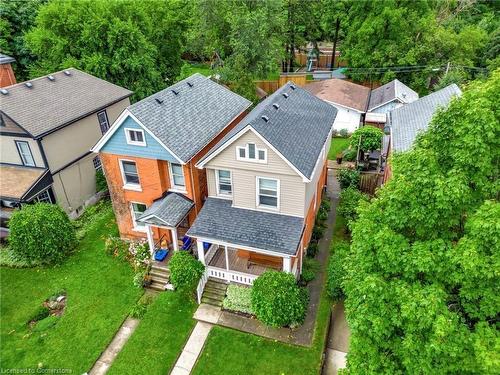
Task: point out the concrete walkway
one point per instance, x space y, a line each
192 349
104 362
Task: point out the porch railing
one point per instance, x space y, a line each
201 285
210 253
234 276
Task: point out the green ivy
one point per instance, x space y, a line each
238 298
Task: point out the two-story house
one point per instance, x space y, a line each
150 152
265 183
47 126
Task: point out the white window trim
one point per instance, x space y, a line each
130 141
18 145
99 162
219 194
278 192
135 228
107 120
129 186
246 158
173 186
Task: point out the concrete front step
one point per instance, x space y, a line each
155 285
161 268
217 291
211 301
214 295
162 275
216 285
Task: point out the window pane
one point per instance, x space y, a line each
242 153
225 188
268 184
139 208
262 155
177 169
268 201
224 174
251 151
179 180
129 166
25 152
139 137
131 178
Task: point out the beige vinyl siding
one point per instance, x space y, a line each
10 154
312 186
73 141
11 127
244 177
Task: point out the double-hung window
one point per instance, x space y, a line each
224 183
177 176
102 117
267 192
135 137
137 209
130 174
25 153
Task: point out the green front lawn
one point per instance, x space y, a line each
99 297
158 340
338 145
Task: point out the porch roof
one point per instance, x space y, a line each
168 211
219 221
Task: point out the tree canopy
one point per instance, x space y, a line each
422 274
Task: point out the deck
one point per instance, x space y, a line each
236 263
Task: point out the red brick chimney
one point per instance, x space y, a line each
7 76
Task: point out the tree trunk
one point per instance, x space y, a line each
336 36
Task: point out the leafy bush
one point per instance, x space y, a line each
335 132
349 202
41 232
371 138
277 300
238 298
41 313
139 278
348 177
308 275
325 205
185 271
309 269
312 249
322 214
100 181
350 154
117 247
141 307
317 232
344 133
141 256
336 270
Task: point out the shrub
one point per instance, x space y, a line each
350 154
322 215
371 138
308 275
238 298
335 132
344 133
141 256
41 313
185 271
325 205
141 307
277 300
317 232
348 177
139 279
100 181
312 249
117 247
41 232
349 202
336 270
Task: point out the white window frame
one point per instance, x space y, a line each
103 112
219 193
97 163
135 143
128 185
247 153
22 156
137 228
48 199
173 186
257 194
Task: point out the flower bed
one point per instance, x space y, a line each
238 299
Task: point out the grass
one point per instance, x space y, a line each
232 352
338 145
158 340
99 297
191 68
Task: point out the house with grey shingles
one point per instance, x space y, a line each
408 121
47 126
265 183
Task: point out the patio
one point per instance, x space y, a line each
236 263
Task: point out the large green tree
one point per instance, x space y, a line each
422 275
131 43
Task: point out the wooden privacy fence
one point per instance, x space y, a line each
370 181
271 86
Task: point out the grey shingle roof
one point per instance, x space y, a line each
219 221
48 105
187 121
407 121
168 211
297 129
6 59
391 91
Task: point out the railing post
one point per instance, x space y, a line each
151 242
201 252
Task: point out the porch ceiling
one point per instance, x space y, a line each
219 221
168 211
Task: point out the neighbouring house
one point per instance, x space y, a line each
408 121
47 126
7 76
265 183
360 105
150 152
350 99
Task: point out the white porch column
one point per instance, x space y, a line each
227 263
287 264
151 241
201 252
173 231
